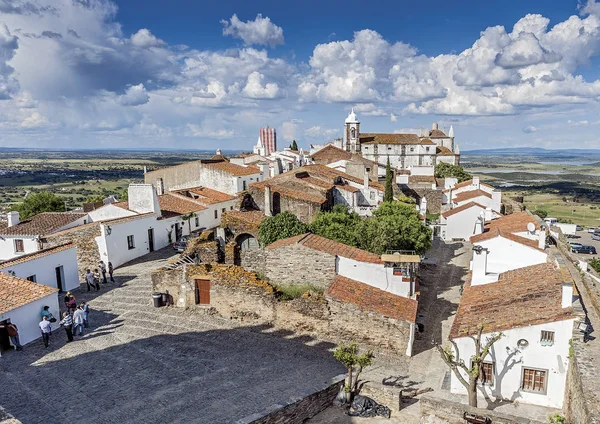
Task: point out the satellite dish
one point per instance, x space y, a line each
531 227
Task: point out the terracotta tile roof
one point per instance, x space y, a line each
377 138
298 194
333 173
329 154
372 299
205 195
471 194
43 223
332 247
235 170
347 188
461 208
249 217
506 226
522 297
317 181
172 205
31 256
219 157
444 151
421 179
437 134
16 292
427 142
468 183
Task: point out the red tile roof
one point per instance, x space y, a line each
514 223
173 205
205 195
233 169
461 208
43 223
421 179
522 297
468 183
437 134
333 173
16 292
471 194
35 255
249 217
379 138
444 151
372 299
332 247
427 142
329 154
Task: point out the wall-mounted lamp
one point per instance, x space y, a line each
108 230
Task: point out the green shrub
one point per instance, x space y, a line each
557 419
595 263
294 291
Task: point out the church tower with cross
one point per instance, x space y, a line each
351 133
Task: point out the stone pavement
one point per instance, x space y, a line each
139 364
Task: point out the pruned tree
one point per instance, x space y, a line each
474 371
388 195
187 217
354 362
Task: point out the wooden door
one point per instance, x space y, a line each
151 239
59 278
203 287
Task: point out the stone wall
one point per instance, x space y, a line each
298 411
84 237
453 412
304 210
206 251
253 260
297 264
164 281
434 197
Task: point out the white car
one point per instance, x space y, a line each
592 230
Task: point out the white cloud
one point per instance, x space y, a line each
8 47
583 123
260 31
35 120
290 130
393 118
369 109
203 132
255 89
134 96
318 131
530 129
144 38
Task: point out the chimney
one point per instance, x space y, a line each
145 170
480 255
142 198
488 214
542 238
13 218
435 126
366 179
567 294
268 211
476 181
497 200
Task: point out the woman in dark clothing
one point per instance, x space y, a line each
110 272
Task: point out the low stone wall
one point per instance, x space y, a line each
253 260
207 251
453 412
299 409
84 237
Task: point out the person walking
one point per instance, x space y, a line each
89 279
103 271
71 304
86 312
46 330
13 334
67 324
97 279
47 314
110 272
78 320
67 299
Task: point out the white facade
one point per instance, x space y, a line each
43 269
494 201
8 250
510 360
375 275
109 212
462 225
28 317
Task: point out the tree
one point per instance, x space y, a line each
445 170
474 371
294 145
349 356
280 226
393 226
389 176
94 199
541 213
35 203
187 217
339 225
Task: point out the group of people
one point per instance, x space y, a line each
74 320
92 279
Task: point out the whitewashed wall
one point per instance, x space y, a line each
44 269
7 246
109 212
375 275
28 317
509 365
505 255
463 224
113 247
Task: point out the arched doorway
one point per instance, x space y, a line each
247 242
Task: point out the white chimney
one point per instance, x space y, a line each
480 255
268 211
488 214
366 179
13 218
497 200
142 198
567 294
542 239
434 126
145 170
476 182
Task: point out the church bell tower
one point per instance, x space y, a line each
352 133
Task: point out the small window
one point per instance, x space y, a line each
197 222
487 373
427 149
372 195
223 210
19 246
244 186
230 208
216 214
32 278
389 148
547 338
130 242
534 381
412 149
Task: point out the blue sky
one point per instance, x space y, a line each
199 74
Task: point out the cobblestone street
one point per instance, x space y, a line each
139 364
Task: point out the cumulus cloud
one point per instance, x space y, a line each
8 47
144 38
260 31
134 96
35 120
255 89
369 109
530 129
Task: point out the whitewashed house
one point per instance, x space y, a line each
473 191
53 267
21 303
22 237
531 307
462 222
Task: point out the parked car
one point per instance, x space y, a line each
592 230
596 236
579 228
590 250
575 244
180 246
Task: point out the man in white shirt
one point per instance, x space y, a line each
78 320
46 330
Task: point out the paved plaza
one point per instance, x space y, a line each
140 364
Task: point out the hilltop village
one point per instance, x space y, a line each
476 300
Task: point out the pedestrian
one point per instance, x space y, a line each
110 272
78 319
86 312
89 279
67 324
103 271
47 314
46 330
97 279
72 304
13 334
66 300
